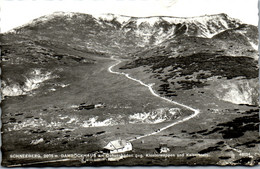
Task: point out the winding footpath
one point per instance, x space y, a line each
149 86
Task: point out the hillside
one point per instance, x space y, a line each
72 82
121 35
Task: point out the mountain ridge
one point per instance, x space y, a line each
124 20
121 35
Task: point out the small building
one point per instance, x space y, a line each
163 148
118 146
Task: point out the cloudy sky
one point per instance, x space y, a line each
18 12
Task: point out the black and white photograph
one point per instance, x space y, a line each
129 83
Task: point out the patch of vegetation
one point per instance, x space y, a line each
224 157
239 126
209 149
243 161
189 84
218 65
213 131
249 144
235 128
165 89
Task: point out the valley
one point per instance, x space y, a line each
189 83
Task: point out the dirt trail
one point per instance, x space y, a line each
149 86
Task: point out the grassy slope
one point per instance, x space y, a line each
232 124
46 114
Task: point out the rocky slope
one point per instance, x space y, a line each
116 34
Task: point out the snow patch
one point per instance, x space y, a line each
35 79
154 117
63 117
110 17
93 122
75 120
151 21
254 46
34 123
37 141
239 92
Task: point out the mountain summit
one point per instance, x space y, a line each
202 26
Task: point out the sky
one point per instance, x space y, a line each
15 13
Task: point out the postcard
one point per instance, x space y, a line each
129 83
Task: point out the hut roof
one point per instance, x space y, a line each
116 144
